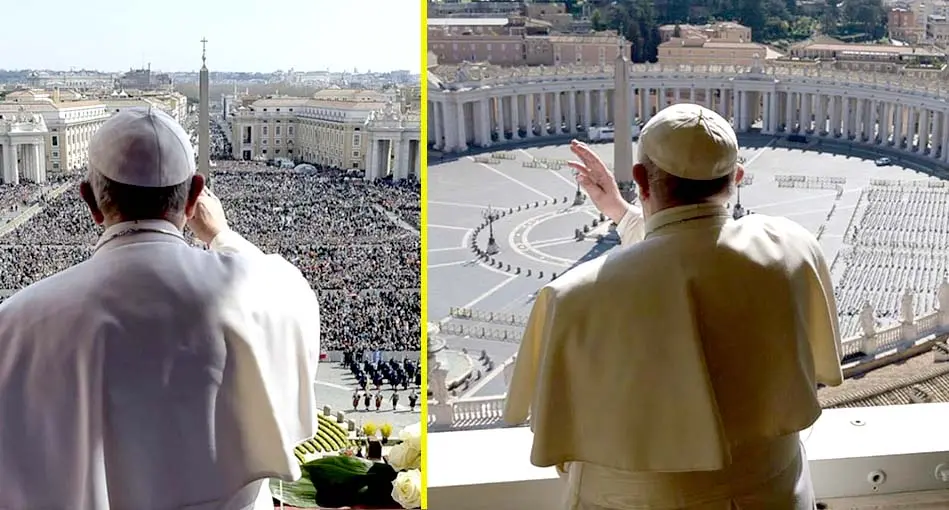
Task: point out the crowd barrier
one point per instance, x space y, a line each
508 319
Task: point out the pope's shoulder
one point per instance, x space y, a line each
637 263
266 277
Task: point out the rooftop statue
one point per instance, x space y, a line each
907 308
943 295
867 321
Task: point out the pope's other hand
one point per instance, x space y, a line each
598 181
208 220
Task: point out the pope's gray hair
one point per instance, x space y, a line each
137 203
671 189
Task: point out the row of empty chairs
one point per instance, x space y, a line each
898 243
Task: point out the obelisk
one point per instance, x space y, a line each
622 121
204 117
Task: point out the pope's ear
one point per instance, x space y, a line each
89 197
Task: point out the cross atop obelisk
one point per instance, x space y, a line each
204 51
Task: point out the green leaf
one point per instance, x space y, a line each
300 493
338 480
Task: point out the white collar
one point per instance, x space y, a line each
134 227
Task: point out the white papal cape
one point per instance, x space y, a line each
676 372
156 376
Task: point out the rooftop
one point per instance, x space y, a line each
461 22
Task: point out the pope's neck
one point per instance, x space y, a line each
652 207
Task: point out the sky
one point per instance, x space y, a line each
243 35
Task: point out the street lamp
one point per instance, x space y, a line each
578 198
489 215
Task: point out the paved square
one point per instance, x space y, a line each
823 191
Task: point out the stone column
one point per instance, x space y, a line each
11 169
601 108
530 106
557 121
439 125
405 158
911 128
483 137
515 117
462 140
898 125
848 125
29 165
572 111
944 136
923 131
542 122
587 110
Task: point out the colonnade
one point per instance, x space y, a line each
484 117
398 155
26 160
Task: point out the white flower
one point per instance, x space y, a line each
412 435
407 489
405 456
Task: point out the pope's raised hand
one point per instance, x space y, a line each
598 181
208 220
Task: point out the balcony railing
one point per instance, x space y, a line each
860 458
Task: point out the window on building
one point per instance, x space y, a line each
264 152
55 166
264 130
355 154
55 141
290 131
278 131
55 154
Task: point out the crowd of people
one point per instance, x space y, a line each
336 230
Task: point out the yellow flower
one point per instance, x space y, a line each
369 428
386 430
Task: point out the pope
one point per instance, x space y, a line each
677 371
155 375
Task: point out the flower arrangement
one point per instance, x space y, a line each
346 479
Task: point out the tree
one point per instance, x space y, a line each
597 20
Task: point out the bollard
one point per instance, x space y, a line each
509 266
596 222
510 211
528 272
536 204
518 208
540 274
545 203
554 277
518 270
565 200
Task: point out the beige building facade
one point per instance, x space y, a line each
328 129
70 125
515 43
699 51
867 57
725 31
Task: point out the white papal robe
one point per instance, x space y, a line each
156 376
677 371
